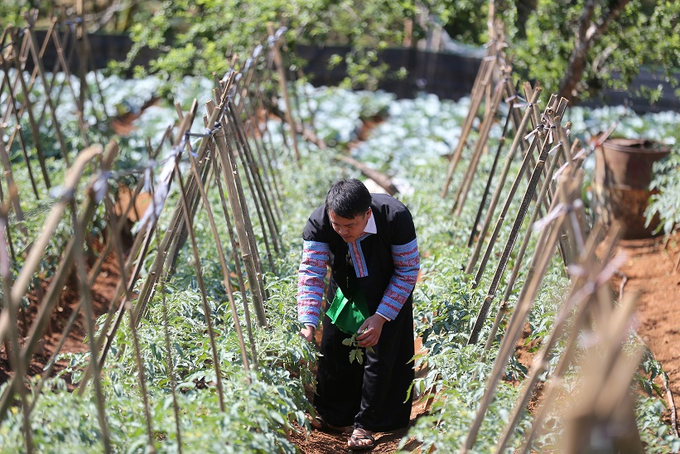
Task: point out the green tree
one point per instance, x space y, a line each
576 48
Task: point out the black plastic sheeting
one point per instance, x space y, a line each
449 76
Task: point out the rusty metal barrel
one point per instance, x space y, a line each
623 173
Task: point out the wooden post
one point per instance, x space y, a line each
283 86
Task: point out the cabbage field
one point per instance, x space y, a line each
258 407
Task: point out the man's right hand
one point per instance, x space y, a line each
307 333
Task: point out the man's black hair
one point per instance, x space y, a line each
348 198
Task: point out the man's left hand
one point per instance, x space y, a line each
370 330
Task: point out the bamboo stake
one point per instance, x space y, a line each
254 183
526 297
201 285
239 211
89 323
12 347
7 166
522 250
223 263
175 225
283 86
237 266
33 46
35 254
171 367
483 77
517 224
489 117
519 136
492 171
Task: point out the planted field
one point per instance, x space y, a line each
166 257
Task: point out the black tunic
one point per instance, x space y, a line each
372 395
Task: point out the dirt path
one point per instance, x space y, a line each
651 268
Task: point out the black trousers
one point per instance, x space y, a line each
371 395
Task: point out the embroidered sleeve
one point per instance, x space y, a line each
406 266
311 276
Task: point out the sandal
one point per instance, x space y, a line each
361 440
319 423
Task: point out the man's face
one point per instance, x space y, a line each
349 229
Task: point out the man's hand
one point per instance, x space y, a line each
307 333
370 330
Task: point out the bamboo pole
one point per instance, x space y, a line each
519 136
237 264
201 285
254 180
492 172
12 339
522 250
33 46
529 290
489 118
223 264
484 74
555 112
239 211
283 86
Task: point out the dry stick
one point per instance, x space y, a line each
87 48
249 163
223 263
522 250
243 203
270 148
506 206
483 75
86 299
17 131
55 68
283 86
24 53
292 77
581 297
12 347
133 329
7 166
175 226
201 285
526 297
50 299
237 266
178 241
49 366
244 230
584 301
266 171
519 137
137 251
489 118
55 121
492 171
35 254
171 364
610 372
254 183
136 256
258 138
517 224
67 73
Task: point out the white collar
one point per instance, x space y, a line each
370 225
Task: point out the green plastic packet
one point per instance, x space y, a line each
347 315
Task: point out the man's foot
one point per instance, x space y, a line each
319 423
361 440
